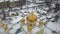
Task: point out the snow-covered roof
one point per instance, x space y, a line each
14 0
7 0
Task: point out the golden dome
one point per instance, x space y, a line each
41 23
5 27
22 20
31 17
1 24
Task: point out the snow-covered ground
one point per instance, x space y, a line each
52 25
41 14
